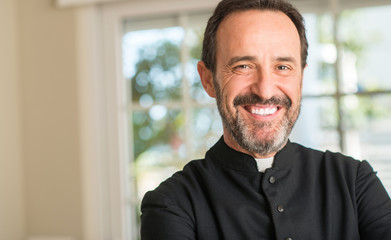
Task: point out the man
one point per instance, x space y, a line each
254 183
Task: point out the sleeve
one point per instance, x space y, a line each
373 205
162 219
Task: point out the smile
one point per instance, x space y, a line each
262 111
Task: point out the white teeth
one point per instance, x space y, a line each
263 111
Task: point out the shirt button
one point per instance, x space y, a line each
280 208
272 179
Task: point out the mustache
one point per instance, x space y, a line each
252 99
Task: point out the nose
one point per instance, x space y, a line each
264 85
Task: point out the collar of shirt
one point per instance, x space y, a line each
264 163
239 161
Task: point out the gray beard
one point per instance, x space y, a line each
245 134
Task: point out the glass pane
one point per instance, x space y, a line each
319 75
193 41
317 123
207 129
152 63
366 49
368 132
159 146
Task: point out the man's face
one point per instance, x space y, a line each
257 82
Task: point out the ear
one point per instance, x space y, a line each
206 77
302 76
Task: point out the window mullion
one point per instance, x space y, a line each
187 104
337 70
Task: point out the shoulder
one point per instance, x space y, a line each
174 197
344 173
324 156
333 163
179 185
167 211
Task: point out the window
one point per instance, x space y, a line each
346 96
347 92
366 87
172 118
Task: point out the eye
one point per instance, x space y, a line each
282 67
242 66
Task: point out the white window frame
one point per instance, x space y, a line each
103 113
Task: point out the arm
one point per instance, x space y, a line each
162 219
373 205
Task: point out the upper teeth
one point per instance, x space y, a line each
264 111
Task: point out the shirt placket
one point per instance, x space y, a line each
273 188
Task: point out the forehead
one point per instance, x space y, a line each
262 27
265 16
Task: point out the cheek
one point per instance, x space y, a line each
230 91
292 88
295 95
233 86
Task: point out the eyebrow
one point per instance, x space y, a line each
286 59
253 58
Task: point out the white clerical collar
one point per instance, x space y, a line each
264 163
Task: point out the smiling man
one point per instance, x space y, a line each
254 183
257 80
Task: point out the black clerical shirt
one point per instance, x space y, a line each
307 194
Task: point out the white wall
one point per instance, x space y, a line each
40 182
49 105
11 170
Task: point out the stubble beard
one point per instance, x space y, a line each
245 132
